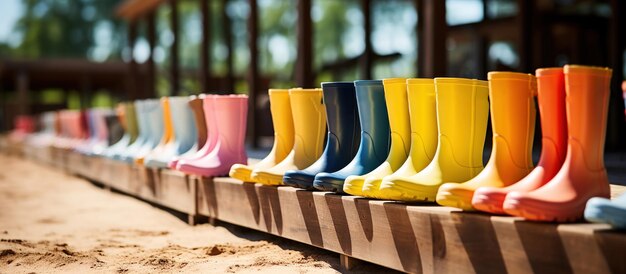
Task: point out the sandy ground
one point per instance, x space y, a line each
51 222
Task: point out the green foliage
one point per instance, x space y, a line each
64 28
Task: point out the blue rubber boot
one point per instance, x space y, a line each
375 137
602 210
342 138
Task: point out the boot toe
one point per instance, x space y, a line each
353 185
299 179
489 199
241 172
329 182
455 195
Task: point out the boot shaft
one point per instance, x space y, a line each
130 121
185 133
232 122
423 119
370 98
168 130
208 106
551 98
309 120
282 120
513 116
397 102
462 109
342 115
195 104
587 98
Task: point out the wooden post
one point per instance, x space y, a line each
253 71
616 132
228 40
304 63
432 38
22 93
204 46
132 69
151 77
524 35
366 59
175 80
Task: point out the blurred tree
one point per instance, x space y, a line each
68 28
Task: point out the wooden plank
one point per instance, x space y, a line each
418 238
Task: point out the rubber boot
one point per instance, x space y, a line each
153 113
208 108
183 135
128 118
423 118
282 120
195 104
513 118
142 131
309 121
462 109
230 148
115 131
398 112
551 97
583 174
342 137
375 140
167 138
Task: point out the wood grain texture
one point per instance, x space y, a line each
417 238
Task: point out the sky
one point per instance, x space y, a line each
9 14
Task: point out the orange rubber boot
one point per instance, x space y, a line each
583 175
513 123
551 96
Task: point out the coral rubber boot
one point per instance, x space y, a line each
374 142
400 126
551 97
423 118
462 110
583 174
602 210
342 138
210 119
231 134
282 120
513 116
309 123
195 104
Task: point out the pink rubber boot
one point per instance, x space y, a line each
208 105
231 134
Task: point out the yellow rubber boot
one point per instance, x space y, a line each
282 120
513 117
309 120
462 109
168 133
398 113
423 117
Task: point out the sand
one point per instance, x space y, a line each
51 222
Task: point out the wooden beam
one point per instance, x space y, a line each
366 58
228 40
204 47
151 71
304 63
524 19
253 71
22 84
175 77
432 30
